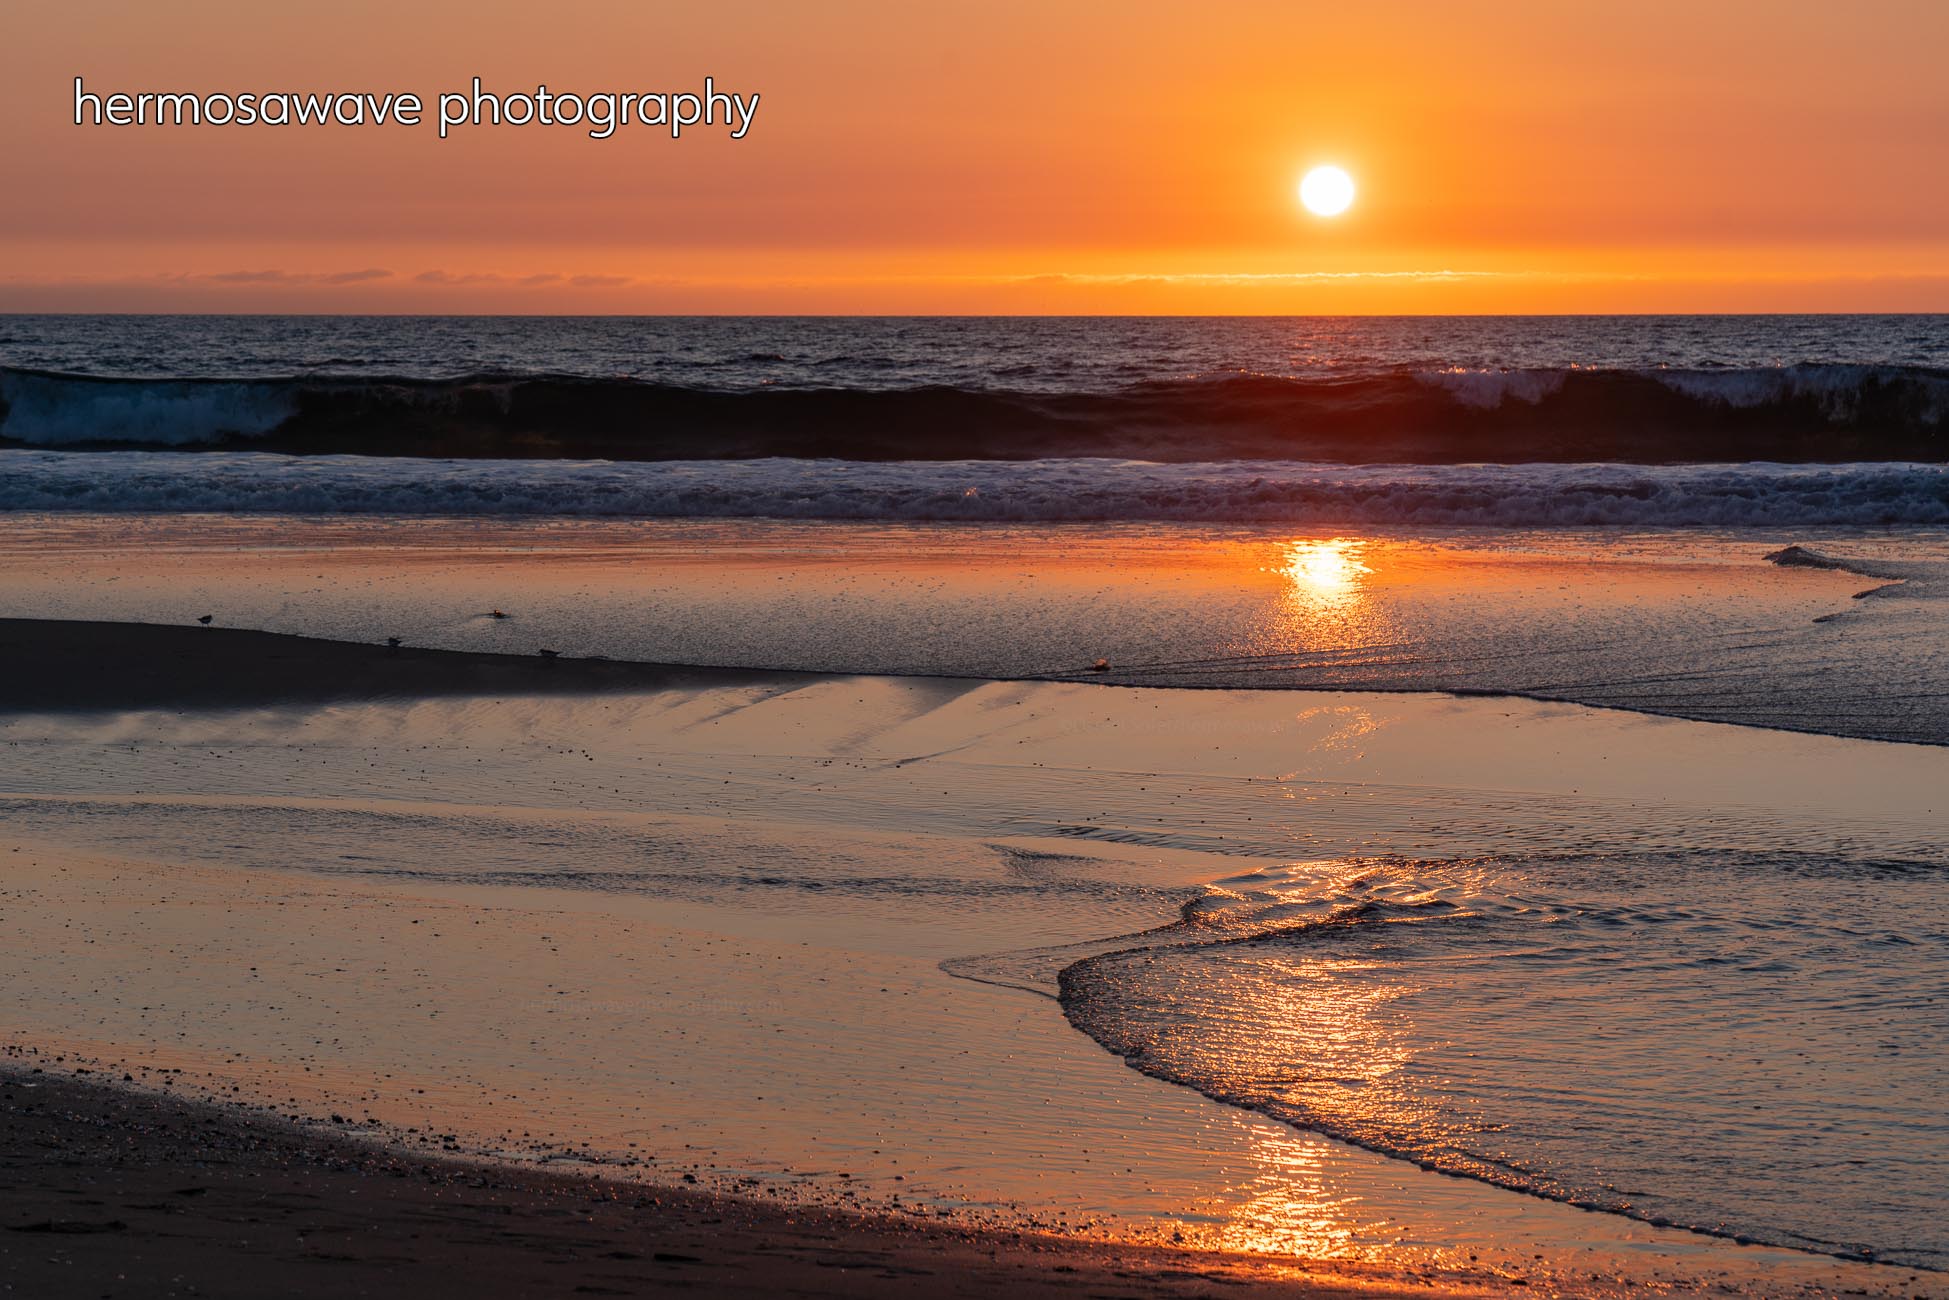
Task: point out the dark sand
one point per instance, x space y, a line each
105 1191
59 665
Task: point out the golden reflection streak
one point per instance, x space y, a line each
1321 600
1316 1035
1328 572
1337 1049
1290 1207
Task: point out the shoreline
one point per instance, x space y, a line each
1664 625
710 725
60 665
228 1204
90 665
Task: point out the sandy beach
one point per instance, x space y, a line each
106 1192
76 665
299 899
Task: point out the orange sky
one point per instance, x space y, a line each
1000 157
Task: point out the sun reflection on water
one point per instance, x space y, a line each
1323 598
1291 1207
1327 571
1302 1029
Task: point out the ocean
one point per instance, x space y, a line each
1827 388
1676 965
1654 421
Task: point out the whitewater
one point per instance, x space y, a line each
1052 490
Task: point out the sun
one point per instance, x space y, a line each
1326 191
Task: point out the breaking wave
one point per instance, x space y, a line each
1822 412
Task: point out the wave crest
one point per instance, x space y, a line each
1792 413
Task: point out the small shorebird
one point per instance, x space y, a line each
393 643
495 613
207 619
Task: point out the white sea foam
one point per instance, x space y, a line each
1043 490
1485 390
1836 390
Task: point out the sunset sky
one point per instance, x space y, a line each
1001 157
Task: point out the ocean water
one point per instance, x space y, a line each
1434 391
1039 354
1724 1017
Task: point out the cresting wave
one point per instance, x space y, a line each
1791 413
1077 489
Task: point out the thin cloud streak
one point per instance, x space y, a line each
1273 278
289 277
461 279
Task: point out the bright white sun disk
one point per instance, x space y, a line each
1326 191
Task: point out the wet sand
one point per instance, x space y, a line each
109 1192
113 1191
204 866
81 665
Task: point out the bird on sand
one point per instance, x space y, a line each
495 613
393 642
207 619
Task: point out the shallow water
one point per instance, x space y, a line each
1696 1038
1693 624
